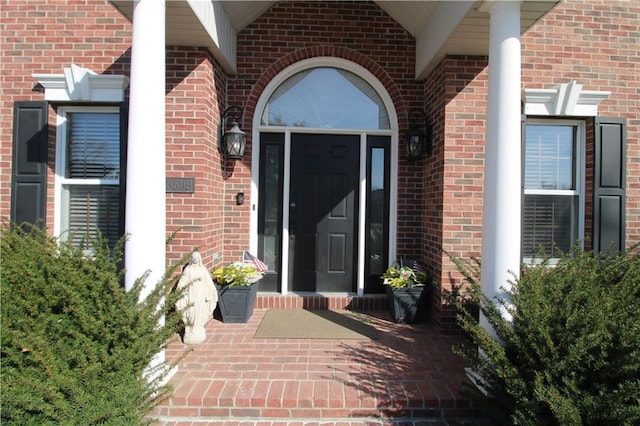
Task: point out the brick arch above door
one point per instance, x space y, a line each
338 52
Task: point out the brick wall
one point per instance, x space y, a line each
39 37
45 37
454 181
293 31
195 97
592 42
597 44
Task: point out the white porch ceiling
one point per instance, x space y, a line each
440 27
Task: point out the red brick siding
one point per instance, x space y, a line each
596 44
454 173
39 37
592 42
195 95
292 31
45 37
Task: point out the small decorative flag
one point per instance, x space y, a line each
414 265
259 264
417 267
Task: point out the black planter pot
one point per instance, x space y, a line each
236 302
406 304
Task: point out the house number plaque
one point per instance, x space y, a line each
181 185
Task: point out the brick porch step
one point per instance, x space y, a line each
313 399
315 301
408 373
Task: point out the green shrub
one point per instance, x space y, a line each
76 347
570 355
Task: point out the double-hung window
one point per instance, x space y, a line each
553 210
88 174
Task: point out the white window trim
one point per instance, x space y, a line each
61 160
580 172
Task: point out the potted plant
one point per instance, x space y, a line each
405 287
237 285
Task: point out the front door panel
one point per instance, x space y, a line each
323 212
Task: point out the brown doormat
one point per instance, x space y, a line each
314 324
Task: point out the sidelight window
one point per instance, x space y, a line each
377 212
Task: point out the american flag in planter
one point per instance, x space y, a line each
413 264
259 264
417 267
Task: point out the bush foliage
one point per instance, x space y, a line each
570 353
76 347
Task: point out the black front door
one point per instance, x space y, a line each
323 212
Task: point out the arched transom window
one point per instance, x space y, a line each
326 98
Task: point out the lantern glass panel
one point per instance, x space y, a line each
235 141
414 145
235 145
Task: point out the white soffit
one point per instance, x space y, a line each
205 23
567 99
433 42
441 28
462 28
412 15
212 19
82 84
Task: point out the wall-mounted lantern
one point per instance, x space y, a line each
418 139
231 142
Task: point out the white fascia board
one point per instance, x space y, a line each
431 41
215 21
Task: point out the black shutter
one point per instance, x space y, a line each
609 184
29 173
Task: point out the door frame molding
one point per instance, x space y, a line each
255 161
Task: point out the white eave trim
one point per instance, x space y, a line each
567 99
223 38
431 42
82 84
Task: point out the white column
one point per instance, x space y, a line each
145 208
501 218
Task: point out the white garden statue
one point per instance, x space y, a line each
198 300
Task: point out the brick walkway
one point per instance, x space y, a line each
407 376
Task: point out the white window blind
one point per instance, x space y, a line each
94 146
93 210
551 211
90 188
